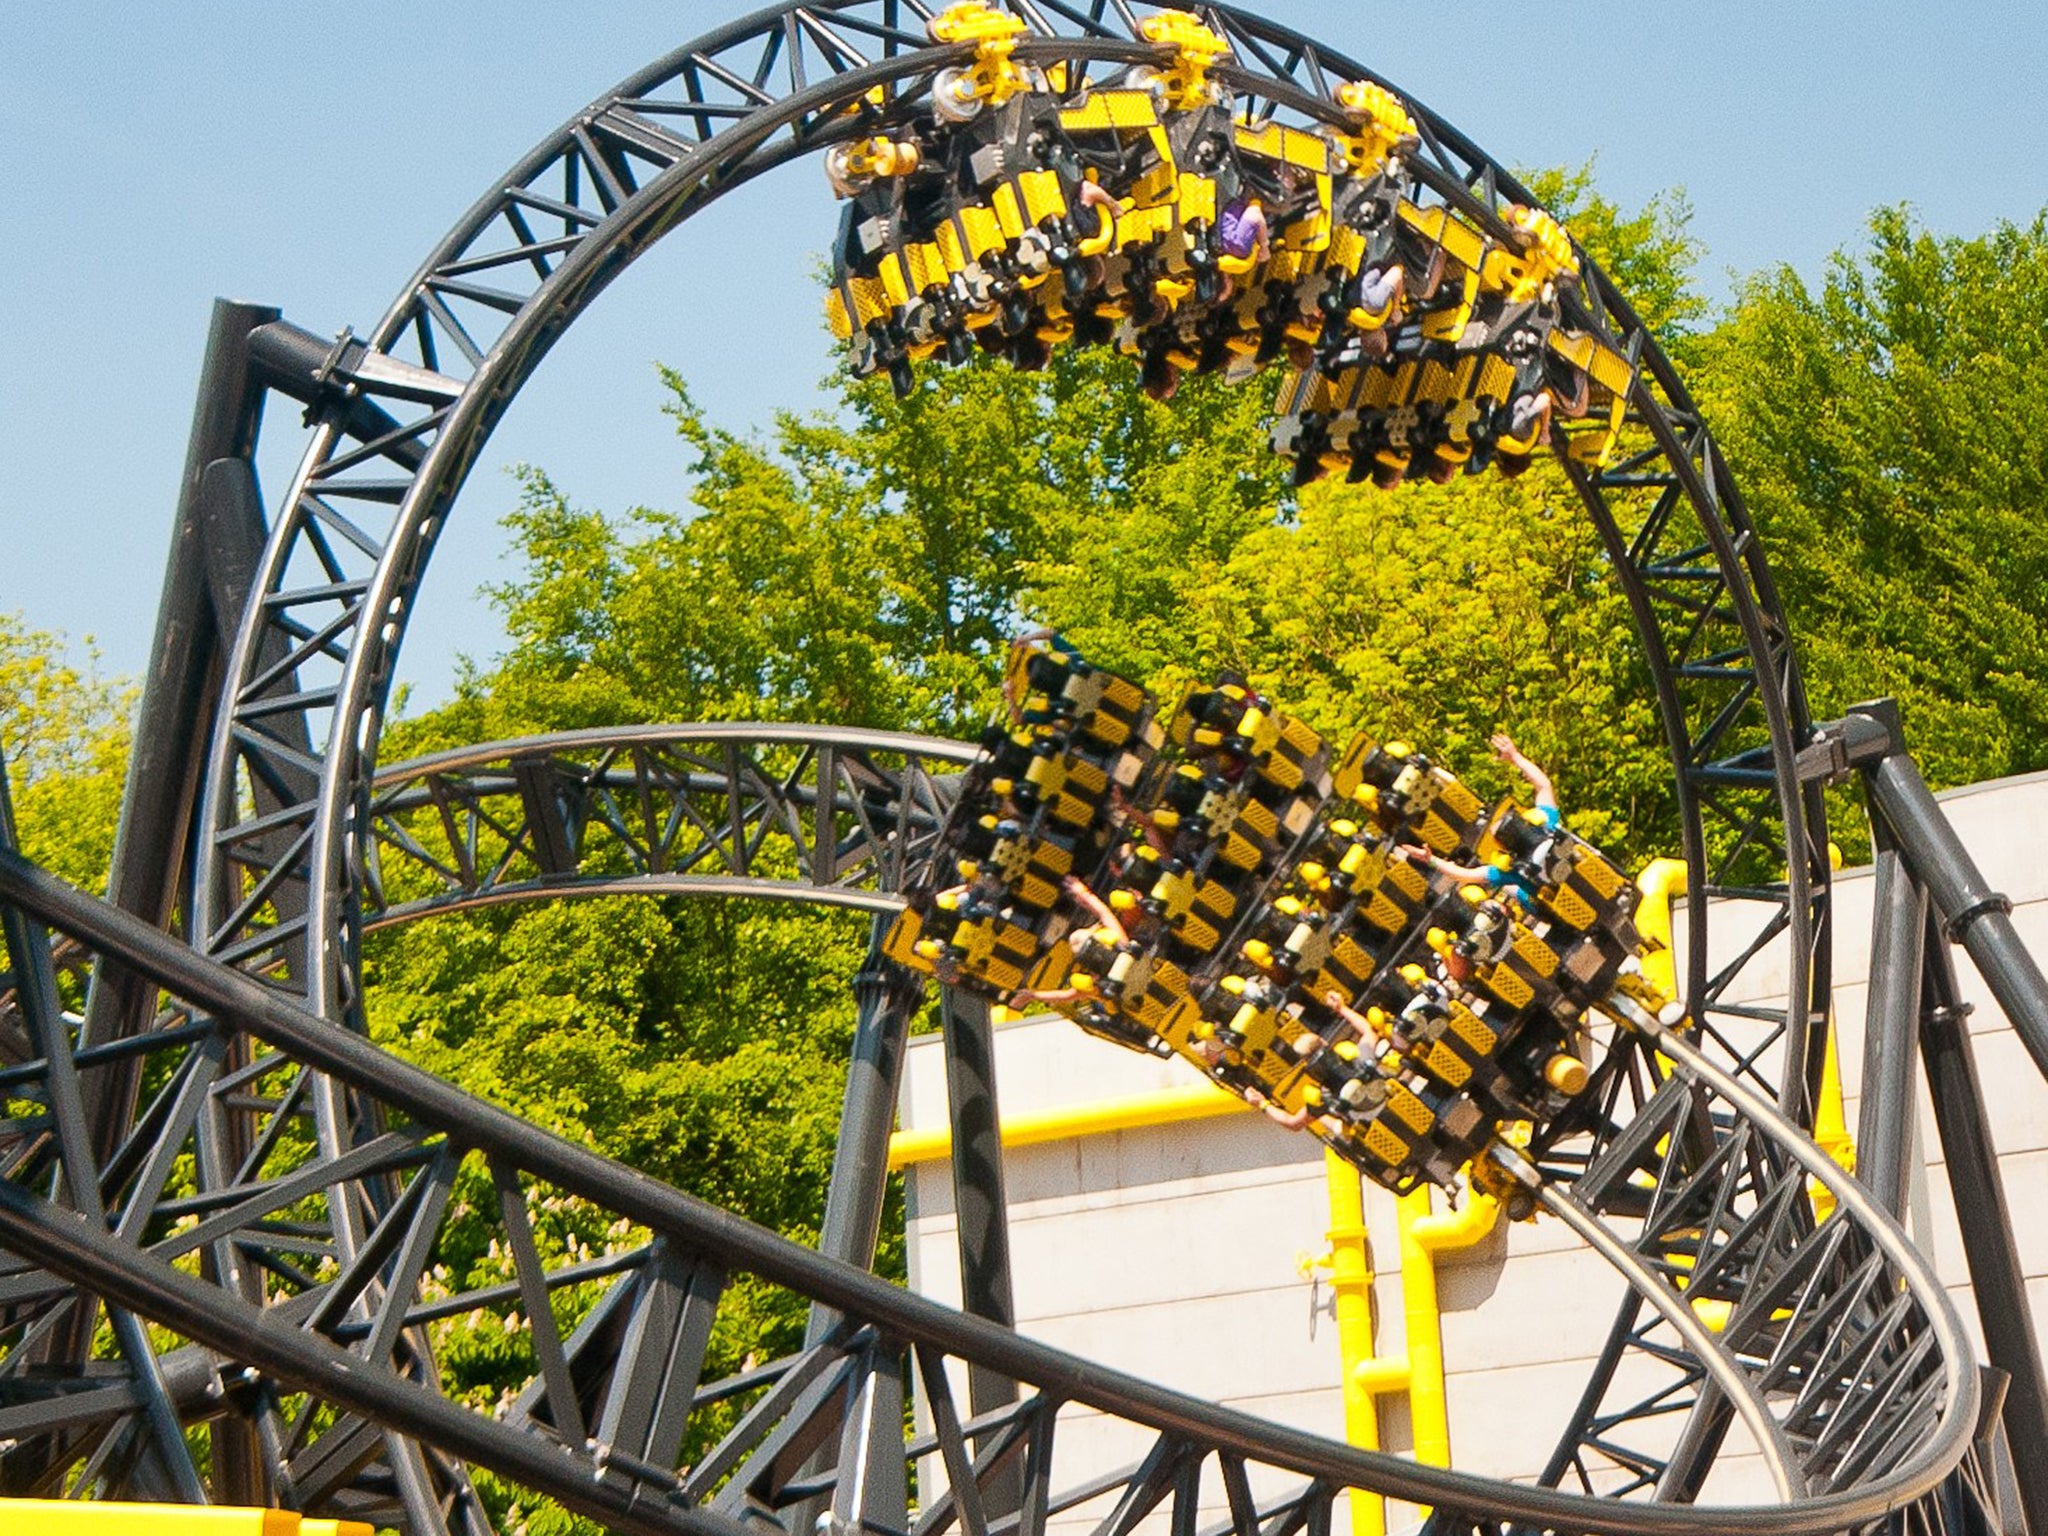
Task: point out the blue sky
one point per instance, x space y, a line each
309 156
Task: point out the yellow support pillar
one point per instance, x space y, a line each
1351 1277
1830 1125
1418 1370
1423 1237
82 1517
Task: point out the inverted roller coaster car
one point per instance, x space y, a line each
1408 797
1573 895
1038 808
1029 211
1480 373
1349 906
1276 768
1215 889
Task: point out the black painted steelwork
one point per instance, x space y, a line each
346 555
813 813
1884 1141
888 997
980 1205
2003 1309
1930 896
1838 1345
300 841
282 882
1972 914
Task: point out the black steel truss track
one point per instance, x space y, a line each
304 843
294 752
1834 1344
819 814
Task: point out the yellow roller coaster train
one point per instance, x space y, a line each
1214 882
1020 215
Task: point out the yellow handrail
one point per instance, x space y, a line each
85 1517
1165 1106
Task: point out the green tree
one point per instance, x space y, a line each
64 735
1883 428
866 568
1440 615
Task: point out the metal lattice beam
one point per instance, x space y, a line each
1837 1341
304 843
293 755
818 814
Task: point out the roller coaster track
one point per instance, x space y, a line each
264 1208
803 813
1839 1352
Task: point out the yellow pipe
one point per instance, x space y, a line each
84 1517
1351 1277
1661 883
1423 1237
1830 1122
1381 1374
1166 1106
1418 1370
1830 1126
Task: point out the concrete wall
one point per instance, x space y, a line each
2004 824
1177 1252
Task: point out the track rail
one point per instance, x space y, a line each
292 760
1840 1346
819 814
282 877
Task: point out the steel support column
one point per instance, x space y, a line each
217 540
216 548
1973 915
888 998
981 1211
1884 1124
983 1216
1959 907
1986 1221
181 685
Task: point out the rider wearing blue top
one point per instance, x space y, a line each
1493 876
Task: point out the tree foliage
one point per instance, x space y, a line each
1884 428
64 737
864 567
